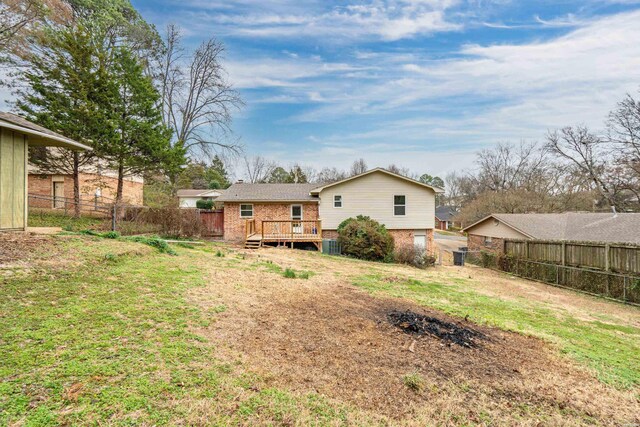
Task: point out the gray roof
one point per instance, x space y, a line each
268 193
196 193
445 213
41 134
576 226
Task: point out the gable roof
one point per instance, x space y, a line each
445 213
242 192
199 193
576 226
318 189
38 135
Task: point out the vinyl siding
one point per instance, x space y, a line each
372 195
12 180
489 228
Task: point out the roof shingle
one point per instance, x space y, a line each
268 193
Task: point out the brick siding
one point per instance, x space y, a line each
400 237
42 184
476 243
234 226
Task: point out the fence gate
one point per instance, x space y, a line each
213 222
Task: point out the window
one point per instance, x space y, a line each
399 205
337 201
487 240
296 212
246 211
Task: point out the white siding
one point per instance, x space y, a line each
188 202
372 195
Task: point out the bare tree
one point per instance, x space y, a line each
587 152
359 166
197 99
328 175
400 170
258 169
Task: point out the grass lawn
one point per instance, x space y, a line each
47 218
114 332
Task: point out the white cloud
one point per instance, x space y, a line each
382 19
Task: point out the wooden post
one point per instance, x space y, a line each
319 227
564 253
607 261
526 249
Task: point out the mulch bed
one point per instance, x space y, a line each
20 248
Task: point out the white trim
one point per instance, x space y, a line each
246 204
301 212
317 190
66 143
341 201
405 204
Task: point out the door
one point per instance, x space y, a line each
58 194
296 215
12 180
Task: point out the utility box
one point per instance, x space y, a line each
458 258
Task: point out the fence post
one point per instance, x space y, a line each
113 217
526 249
607 264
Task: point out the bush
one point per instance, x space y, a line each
412 255
365 238
204 204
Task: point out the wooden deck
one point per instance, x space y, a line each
292 231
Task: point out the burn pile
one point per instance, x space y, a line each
418 324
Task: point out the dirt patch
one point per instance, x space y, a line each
324 335
18 249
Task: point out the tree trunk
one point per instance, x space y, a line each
120 182
76 184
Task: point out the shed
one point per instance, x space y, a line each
16 135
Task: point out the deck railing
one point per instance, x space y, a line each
301 230
250 227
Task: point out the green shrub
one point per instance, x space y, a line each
365 238
111 235
289 274
204 204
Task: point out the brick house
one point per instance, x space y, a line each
95 185
445 217
310 212
491 232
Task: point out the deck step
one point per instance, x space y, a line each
252 244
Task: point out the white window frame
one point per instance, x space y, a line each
301 213
488 240
396 205
334 201
246 216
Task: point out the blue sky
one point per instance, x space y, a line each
419 83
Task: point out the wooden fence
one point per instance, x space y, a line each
617 258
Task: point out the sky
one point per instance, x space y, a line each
420 83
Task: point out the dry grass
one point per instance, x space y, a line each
325 336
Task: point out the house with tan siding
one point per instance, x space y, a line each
289 213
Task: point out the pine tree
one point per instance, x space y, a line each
138 141
63 83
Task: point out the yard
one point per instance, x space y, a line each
114 332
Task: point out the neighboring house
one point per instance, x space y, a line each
444 217
188 198
311 212
16 135
96 185
491 232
